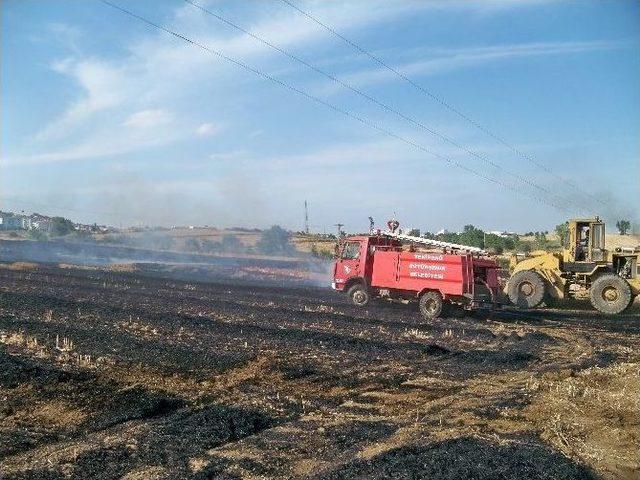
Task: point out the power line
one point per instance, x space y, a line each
442 102
331 106
371 99
328 105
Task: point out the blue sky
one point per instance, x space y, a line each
106 119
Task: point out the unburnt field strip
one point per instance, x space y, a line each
144 374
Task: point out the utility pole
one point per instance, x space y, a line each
306 218
339 225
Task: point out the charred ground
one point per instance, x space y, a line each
144 374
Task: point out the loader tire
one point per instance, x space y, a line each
359 295
526 289
432 305
610 294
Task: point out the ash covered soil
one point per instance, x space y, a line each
144 375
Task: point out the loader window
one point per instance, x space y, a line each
582 245
597 236
351 251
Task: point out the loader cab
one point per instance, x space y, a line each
586 241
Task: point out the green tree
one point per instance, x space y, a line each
509 243
524 246
495 243
623 226
562 231
61 226
541 241
275 240
499 244
472 236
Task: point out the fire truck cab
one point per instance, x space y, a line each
386 267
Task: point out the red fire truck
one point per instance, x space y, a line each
402 267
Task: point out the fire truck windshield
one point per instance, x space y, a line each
351 251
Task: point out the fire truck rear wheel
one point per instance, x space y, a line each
610 294
526 289
432 305
359 295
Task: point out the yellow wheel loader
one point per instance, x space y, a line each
583 269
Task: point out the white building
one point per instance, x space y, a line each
503 234
9 221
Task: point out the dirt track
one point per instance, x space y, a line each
124 375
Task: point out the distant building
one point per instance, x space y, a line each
79 227
95 228
44 223
444 231
504 234
40 222
10 221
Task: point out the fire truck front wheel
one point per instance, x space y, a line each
359 295
432 305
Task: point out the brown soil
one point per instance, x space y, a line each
139 375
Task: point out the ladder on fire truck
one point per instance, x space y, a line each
433 243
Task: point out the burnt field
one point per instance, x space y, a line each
146 374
